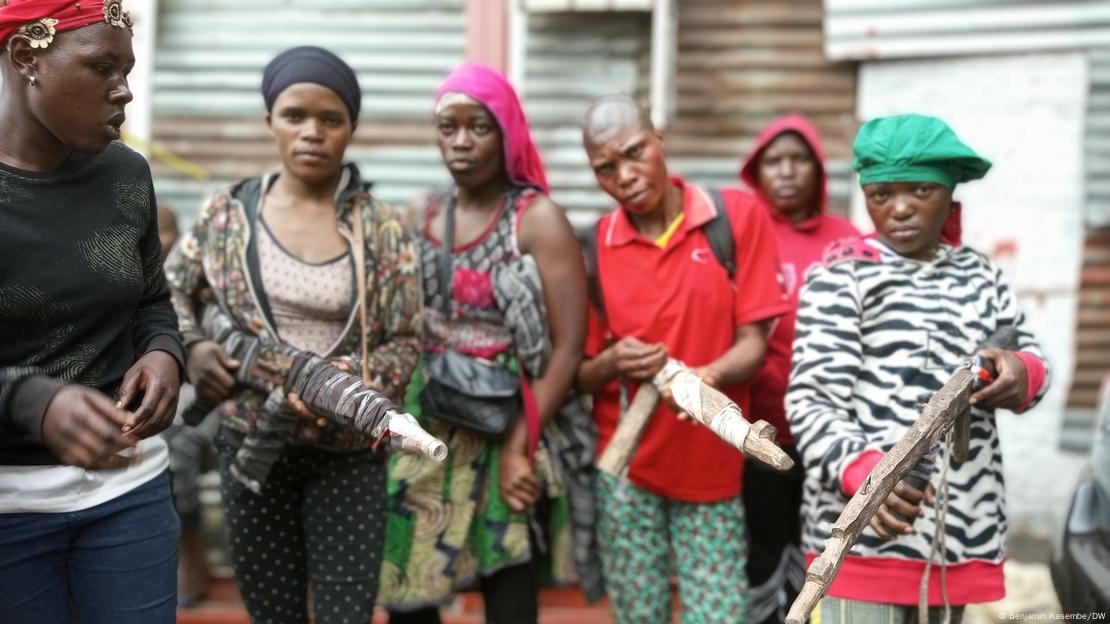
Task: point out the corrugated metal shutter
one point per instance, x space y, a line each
1093 332
1098 140
1092 362
870 29
536 6
740 65
1092 356
572 59
208 69
1092 339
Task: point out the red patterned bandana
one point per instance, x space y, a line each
39 20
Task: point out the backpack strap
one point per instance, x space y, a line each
587 238
719 233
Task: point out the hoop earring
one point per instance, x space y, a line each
34 81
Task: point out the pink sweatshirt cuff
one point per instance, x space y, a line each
1034 373
858 470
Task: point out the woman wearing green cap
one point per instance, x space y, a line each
882 325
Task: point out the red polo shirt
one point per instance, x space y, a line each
681 296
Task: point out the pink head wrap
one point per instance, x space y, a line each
488 87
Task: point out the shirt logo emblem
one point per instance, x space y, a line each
789 277
700 255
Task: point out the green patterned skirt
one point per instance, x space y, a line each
448 523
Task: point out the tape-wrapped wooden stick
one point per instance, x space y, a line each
705 404
619 453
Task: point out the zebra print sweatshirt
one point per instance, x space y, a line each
877 335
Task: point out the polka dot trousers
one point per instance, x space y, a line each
319 520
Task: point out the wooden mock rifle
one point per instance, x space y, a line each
705 404
277 369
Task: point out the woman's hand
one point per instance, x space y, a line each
84 428
520 487
708 376
904 502
212 371
1010 386
638 360
157 379
302 409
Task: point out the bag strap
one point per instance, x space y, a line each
444 259
719 233
359 235
519 200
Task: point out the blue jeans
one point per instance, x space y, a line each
114 563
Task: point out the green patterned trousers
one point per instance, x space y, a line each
646 538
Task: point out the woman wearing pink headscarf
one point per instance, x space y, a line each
466 520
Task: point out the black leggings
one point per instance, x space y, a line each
320 518
510 597
776 567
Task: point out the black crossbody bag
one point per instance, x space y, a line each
462 390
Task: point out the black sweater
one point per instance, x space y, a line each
82 292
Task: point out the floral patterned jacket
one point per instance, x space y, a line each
219 255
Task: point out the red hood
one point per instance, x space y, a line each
749 172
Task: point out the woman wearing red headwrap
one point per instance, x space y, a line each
90 355
465 521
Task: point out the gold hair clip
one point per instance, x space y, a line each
115 15
39 33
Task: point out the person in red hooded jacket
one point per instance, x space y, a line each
786 172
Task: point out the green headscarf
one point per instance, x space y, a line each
914 148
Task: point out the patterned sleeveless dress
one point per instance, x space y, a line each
447 522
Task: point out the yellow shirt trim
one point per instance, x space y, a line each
666 236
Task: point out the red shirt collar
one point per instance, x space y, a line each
697 207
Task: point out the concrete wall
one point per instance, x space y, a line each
1026 113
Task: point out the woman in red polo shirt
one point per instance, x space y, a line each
664 295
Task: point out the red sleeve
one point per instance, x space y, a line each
597 333
760 294
858 470
1035 376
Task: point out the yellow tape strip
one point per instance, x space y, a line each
178 163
